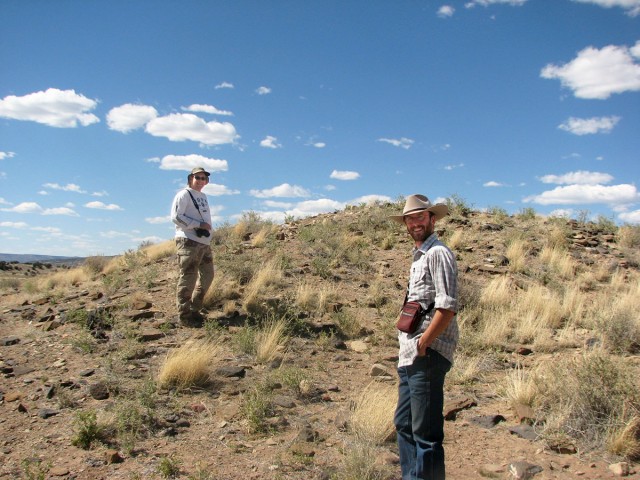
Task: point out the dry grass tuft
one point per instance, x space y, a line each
517 251
559 260
373 411
270 340
64 279
257 289
189 366
624 439
160 250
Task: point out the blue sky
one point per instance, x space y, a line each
303 107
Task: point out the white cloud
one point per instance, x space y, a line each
223 85
114 234
60 211
102 206
588 126
274 204
206 109
70 187
319 144
370 199
284 190
452 167
158 220
630 217
585 194
270 142
446 11
216 190
189 162
4 202
581 177
263 90
344 175
50 230
486 3
597 74
17 225
25 207
493 184
53 107
632 7
402 142
4 155
128 117
315 207
561 213
179 127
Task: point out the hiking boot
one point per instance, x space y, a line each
198 317
191 321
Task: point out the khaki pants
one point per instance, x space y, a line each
195 261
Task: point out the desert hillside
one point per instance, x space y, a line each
293 374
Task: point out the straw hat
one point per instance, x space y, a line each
417 203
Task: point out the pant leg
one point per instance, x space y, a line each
188 274
419 419
404 430
205 277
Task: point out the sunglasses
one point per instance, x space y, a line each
201 178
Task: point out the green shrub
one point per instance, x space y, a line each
88 432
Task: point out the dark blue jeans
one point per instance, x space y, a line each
419 421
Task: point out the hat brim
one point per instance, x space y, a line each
439 211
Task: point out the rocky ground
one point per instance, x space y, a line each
46 379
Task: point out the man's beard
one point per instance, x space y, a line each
420 235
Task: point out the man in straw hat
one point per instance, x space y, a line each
426 355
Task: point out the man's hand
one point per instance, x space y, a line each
439 323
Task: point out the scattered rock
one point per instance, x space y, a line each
6 341
455 405
378 370
99 391
12 396
231 371
620 469
523 470
113 456
47 413
492 471
58 471
525 414
488 421
524 431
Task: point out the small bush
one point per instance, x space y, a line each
95 265
169 467
88 432
255 408
360 463
586 397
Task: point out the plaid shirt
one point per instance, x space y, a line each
433 278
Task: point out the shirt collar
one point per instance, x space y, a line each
426 245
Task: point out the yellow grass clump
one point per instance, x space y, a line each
517 254
189 366
270 340
269 274
373 411
160 250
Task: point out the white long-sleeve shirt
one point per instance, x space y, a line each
186 217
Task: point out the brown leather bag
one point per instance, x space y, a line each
410 317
